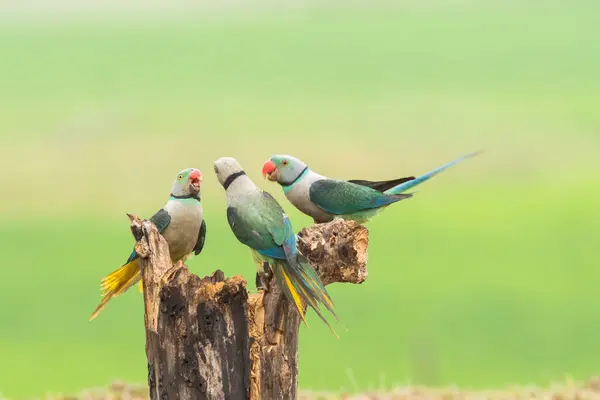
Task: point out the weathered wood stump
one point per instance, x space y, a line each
208 339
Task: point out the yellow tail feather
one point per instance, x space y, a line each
325 296
117 282
309 298
295 295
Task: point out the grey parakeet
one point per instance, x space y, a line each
182 225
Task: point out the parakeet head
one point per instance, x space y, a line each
227 170
284 169
187 183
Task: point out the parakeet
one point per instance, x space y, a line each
182 225
324 199
259 222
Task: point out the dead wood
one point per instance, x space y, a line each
208 339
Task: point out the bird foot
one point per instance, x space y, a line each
260 284
263 278
300 238
267 270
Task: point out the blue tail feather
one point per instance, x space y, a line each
417 181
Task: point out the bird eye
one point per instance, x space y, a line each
284 162
180 177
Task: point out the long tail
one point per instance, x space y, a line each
417 181
301 284
118 282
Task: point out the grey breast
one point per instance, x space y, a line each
182 232
299 196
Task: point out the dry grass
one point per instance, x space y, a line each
589 389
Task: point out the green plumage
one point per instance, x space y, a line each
201 238
161 219
342 197
261 224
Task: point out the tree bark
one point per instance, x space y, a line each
208 339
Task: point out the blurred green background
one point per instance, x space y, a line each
487 277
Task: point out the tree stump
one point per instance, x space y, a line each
209 339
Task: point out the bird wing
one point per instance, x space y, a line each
342 197
201 238
264 227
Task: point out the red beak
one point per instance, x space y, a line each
268 167
195 174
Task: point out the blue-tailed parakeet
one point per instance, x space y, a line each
324 199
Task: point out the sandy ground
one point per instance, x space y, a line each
588 390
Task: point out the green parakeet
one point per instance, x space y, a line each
259 222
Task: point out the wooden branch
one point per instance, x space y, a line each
208 339
337 250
